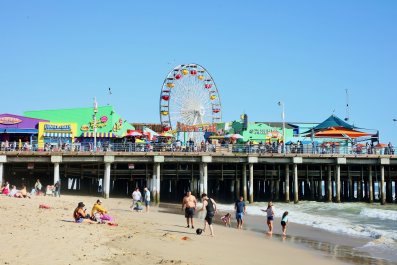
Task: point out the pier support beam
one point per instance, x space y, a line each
287 183
296 161
1 174
383 162
339 161
244 171
370 186
156 178
3 159
251 161
156 183
56 160
237 189
251 186
204 175
106 181
329 184
382 185
351 185
106 178
319 185
296 192
338 186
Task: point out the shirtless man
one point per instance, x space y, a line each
189 204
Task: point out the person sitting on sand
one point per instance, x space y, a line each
99 213
24 193
80 215
13 191
6 189
226 219
284 222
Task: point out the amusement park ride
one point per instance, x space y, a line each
189 98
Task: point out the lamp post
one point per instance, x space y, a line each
281 104
94 116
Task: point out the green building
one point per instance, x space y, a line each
110 125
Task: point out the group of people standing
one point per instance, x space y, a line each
189 205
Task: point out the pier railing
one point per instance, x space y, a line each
206 148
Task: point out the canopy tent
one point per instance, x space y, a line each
332 121
338 132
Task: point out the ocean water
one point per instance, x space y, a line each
371 221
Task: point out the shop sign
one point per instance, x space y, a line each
54 127
131 166
196 128
118 125
30 165
9 120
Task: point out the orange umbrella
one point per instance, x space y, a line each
381 145
339 132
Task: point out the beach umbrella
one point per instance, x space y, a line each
166 134
134 133
234 136
381 145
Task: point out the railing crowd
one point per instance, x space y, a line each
190 146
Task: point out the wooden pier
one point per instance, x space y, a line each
225 176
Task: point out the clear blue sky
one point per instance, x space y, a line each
59 54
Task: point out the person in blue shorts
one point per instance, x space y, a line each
240 209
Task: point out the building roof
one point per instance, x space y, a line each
13 123
108 121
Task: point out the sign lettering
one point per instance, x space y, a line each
9 120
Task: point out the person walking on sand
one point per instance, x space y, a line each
284 222
211 208
240 209
189 204
147 198
270 217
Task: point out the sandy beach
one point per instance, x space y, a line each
33 236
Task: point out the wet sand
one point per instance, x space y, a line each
39 236
334 246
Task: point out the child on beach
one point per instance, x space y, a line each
226 219
284 222
270 216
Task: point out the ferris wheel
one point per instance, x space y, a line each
189 96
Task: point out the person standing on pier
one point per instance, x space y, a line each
211 208
189 204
